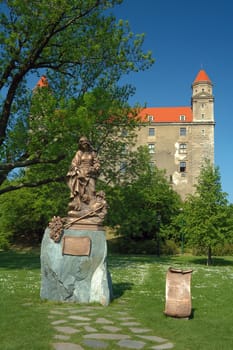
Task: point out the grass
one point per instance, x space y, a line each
211 326
139 281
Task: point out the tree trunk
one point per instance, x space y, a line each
209 256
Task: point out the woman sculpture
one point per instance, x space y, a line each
82 175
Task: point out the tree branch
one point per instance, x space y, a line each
28 162
31 184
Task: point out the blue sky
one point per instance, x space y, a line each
186 36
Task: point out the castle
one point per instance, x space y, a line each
180 139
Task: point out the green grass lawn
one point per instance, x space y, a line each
140 282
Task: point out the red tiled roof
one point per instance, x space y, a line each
167 114
43 82
202 76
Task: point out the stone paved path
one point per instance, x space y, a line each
86 327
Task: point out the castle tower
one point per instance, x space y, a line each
203 123
202 98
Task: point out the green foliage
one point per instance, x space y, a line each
126 245
80 47
205 213
139 209
24 214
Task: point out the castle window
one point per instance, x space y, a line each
182 167
182 117
123 167
182 131
124 133
151 147
152 165
183 148
202 105
203 116
124 149
151 132
150 118
203 132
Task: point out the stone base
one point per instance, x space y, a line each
77 273
84 224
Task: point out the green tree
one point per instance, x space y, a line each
138 209
205 212
79 46
24 214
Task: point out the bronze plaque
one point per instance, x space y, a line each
80 246
178 293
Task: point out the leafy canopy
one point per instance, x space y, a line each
79 46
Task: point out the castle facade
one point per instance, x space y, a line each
180 139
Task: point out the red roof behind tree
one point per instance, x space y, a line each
43 82
167 114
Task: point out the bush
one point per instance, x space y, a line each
24 214
4 241
218 250
169 247
122 245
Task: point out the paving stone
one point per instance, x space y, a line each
57 312
131 344
163 346
153 338
110 336
92 314
79 318
130 324
67 330
126 318
62 337
140 330
95 344
67 346
78 311
58 322
81 324
111 328
90 329
103 321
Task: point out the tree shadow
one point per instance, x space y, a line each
20 260
216 261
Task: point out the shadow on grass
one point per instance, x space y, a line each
120 288
216 261
20 260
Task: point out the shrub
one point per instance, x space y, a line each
122 245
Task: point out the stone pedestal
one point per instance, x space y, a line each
75 268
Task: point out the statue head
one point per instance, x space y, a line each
84 143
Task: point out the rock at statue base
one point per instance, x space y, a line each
75 268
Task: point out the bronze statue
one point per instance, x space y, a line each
82 175
81 178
